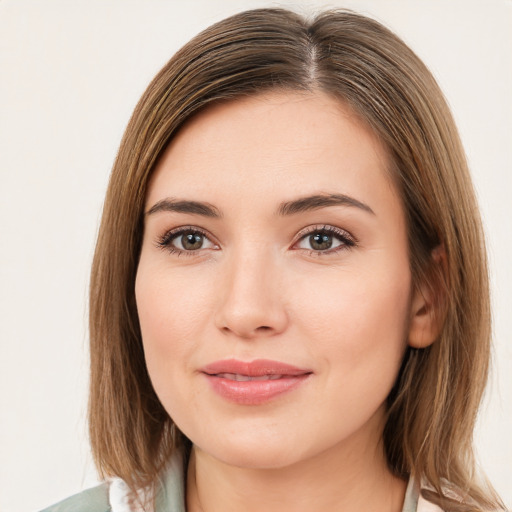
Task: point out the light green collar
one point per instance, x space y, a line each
171 493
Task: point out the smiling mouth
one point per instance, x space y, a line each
255 382
245 378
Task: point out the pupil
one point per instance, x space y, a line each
192 241
321 241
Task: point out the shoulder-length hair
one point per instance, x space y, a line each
433 405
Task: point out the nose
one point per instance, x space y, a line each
251 297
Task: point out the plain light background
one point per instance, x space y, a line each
72 72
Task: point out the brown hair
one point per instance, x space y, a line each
433 406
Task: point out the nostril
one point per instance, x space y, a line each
261 330
250 321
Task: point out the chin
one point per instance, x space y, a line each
255 453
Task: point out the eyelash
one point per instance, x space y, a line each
346 239
165 241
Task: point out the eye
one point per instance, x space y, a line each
325 239
185 241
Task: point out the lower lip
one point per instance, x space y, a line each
254 392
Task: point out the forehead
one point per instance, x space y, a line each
278 143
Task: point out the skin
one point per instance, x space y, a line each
259 288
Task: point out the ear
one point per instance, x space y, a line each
428 303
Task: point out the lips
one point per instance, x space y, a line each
255 382
241 378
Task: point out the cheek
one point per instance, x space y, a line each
360 336
170 306
359 319
171 313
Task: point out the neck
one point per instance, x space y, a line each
350 477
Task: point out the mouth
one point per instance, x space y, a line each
255 382
245 378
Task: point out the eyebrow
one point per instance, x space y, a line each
318 201
182 206
303 204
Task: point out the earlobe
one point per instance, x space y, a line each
428 304
423 330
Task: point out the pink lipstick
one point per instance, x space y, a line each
255 382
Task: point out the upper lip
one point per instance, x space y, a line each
255 368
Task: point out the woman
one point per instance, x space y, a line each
289 298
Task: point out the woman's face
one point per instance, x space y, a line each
273 288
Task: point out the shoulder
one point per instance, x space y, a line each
95 499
